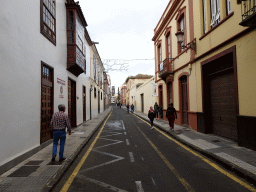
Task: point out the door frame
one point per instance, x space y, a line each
73 121
52 96
181 98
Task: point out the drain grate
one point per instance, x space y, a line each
34 162
24 171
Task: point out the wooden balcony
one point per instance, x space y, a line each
165 68
76 60
248 8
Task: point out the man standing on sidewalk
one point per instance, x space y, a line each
59 123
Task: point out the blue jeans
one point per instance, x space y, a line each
58 135
127 110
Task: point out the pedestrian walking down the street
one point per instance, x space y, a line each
132 108
59 123
151 116
161 112
171 115
120 105
127 108
156 110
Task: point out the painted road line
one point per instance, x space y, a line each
171 167
231 176
142 158
139 186
105 185
125 133
127 142
123 124
78 167
131 157
153 180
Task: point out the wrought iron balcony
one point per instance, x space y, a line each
248 8
165 68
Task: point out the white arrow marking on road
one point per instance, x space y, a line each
127 142
139 186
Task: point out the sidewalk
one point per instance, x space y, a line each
224 151
38 173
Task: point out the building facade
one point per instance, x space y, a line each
45 61
208 72
141 96
96 83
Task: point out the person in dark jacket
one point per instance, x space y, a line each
127 106
132 108
156 110
151 116
161 112
171 115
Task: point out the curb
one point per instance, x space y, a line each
53 181
251 178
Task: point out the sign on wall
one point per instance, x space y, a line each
155 89
61 82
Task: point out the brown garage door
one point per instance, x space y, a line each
223 106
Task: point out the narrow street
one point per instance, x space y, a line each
129 156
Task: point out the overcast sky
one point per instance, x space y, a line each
124 30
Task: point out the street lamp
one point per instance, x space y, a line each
180 39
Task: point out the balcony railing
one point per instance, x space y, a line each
165 68
248 9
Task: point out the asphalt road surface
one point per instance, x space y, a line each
126 155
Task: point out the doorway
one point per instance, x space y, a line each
84 103
72 102
142 102
46 102
184 100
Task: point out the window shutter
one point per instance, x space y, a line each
204 9
213 7
229 6
217 18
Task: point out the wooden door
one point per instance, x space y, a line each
184 96
46 103
142 103
72 102
98 101
223 106
84 103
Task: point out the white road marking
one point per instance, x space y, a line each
101 184
103 164
127 142
124 133
142 158
153 180
139 186
135 145
123 124
131 157
117 142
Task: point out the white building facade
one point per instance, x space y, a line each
45 61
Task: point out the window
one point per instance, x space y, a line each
48 19
95 92
228 7
215 12
94 65
181 27
101 95
204 16
159 54
168 42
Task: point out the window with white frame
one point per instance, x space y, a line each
215 12
204 16
182 28
228 7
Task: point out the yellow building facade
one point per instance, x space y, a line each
211 81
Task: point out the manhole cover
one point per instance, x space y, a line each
24 171
34 163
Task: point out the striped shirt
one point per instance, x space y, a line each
60 121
